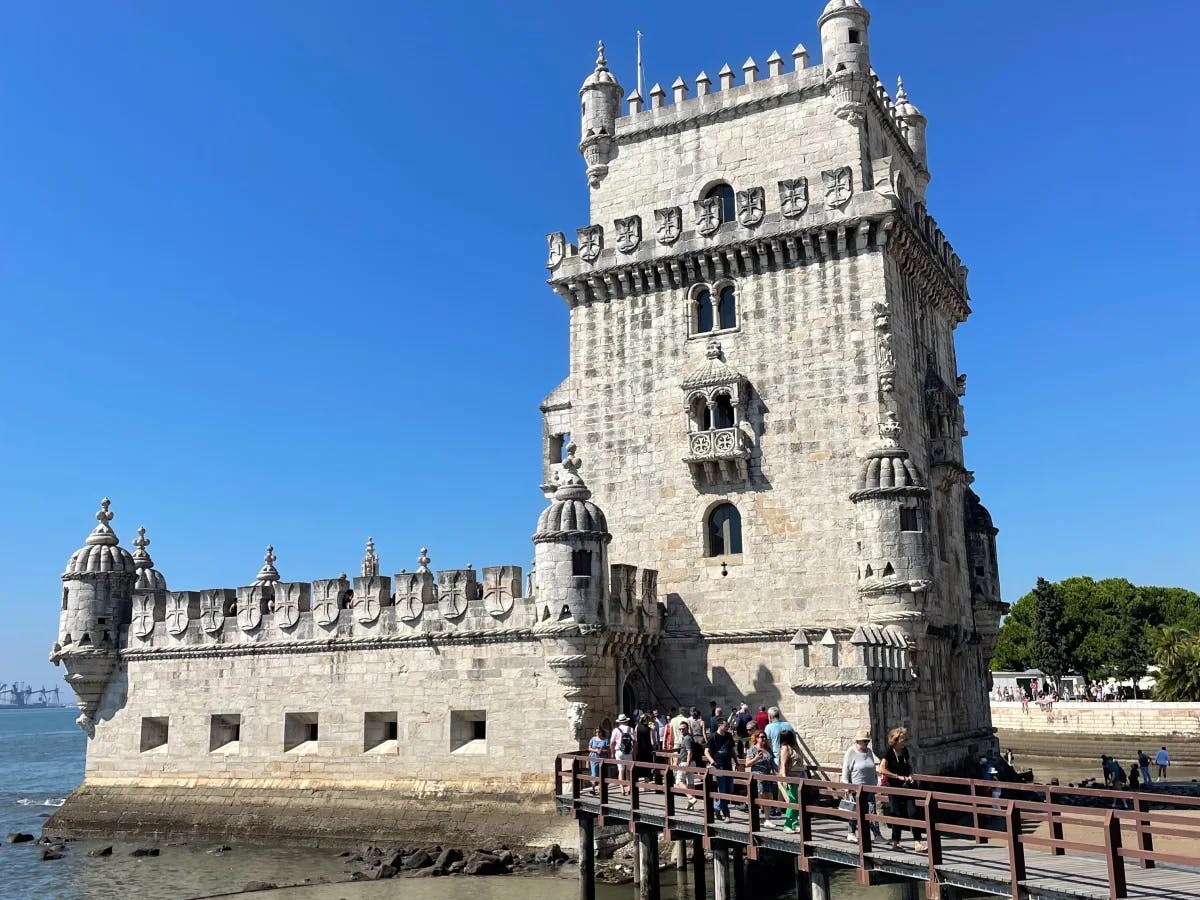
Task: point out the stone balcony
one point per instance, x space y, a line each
718 455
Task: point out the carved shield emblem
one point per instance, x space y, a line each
143 616
629 233
839 186
751 206
327 603
453 594
668 224
708 215
793 197
410 601
649 590
499 589
249 614
557 244
591 242
287 604
212 610
177 613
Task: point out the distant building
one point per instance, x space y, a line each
768 502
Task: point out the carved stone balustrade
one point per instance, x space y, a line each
719 454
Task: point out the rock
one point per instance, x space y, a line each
555 852
221 849
348 853
145 851
455 867
18 837
480 863
51 853
102 851
505 856
395 859
360 876
446 857
384 872
418 860
259 886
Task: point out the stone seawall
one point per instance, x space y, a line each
296 813
1085 730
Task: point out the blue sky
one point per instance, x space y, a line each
273 272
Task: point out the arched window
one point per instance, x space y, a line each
723 412
702 312
725 192
727 308
724 530
698 412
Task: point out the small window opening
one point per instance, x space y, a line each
564 613
378 729
468 731
65 592
300 732
723 417
725 192
979 571
908 519
724 530
155 730
102 621
869 572
703 313
581 562
224 732
854 36
888 570
727 308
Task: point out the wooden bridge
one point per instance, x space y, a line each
1025 841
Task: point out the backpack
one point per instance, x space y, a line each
626 745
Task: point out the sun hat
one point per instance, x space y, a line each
863 734
622 719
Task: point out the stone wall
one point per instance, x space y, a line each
1152 719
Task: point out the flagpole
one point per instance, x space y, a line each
639 65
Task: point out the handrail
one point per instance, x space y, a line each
817 799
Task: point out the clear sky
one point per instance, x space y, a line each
273 272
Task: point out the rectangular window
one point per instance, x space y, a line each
468 731
154 732
380 730
581 563
908 519
854 36
224 733
300 732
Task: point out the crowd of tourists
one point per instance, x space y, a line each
761 742
1115 775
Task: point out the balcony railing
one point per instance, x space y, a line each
719 454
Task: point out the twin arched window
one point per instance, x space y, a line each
725 192
718 413
723 531
709 314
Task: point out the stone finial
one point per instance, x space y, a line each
800 57
679 89
713 349
370 562
423 561
889 430
572 486
601 62
635 102
750 70
774 64
657 96
103 534
268 574
726 76
141 559
901 93
703 84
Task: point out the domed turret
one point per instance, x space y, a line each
600 105
570 551
913 123
148 577
844 45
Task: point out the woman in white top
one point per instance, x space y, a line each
858 767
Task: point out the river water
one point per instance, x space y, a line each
41 761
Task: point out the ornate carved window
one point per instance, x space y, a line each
712 308
723 414
718 439
725 192
723 531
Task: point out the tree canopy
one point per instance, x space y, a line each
1107 628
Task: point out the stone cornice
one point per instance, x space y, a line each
887 493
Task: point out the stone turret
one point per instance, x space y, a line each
600 105
913 122
96 602
571 551
892 513
844 43
148 577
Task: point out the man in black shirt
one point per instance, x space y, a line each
719 755
740 720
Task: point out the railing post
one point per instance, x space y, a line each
752 816
668 801
1112 853
1056 828
1144 835
634 795
1016 850
805 823
709 812
575 782
864 827
979 838
933 840
603 787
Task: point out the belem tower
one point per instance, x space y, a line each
755 490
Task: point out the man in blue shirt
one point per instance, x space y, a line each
775 727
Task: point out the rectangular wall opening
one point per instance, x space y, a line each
300 732
224 733
380 732
154 732
468 731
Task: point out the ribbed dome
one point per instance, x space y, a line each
837 6
894 470
978 519
148 577
600 75
571 511
904 107
101 551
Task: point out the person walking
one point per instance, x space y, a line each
718 715
1143 763
691 756
896 767
719 755
791 767
739 722
622 742
597 752
776 726
1162 759
858 767
643 751
761 719
760 760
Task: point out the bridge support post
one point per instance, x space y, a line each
679 855
649 888
587 857
699 875
818 880
722 876
738 864
910 891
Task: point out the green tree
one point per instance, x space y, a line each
1131 651
1179 678
1168 642
1051 646
1014 645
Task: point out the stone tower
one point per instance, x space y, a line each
762 318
